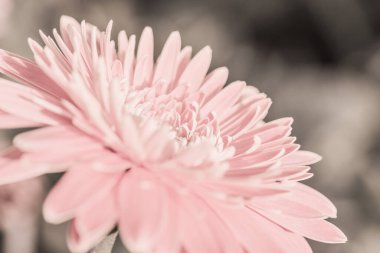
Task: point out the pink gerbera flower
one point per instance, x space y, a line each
159 149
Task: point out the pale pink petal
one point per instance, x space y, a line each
142 202
301 158
315 198
315 229
270 237
197 68
10 121
214 82
296 204
70 194
40 145
247 190
166 62
67 23
144 59
288 173
259 107
17 100
43 139
224 99
14 168
28 72
183 60
92 224
203 231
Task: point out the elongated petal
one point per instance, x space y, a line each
227 97
9 121
197 68
92 223
315 198
269 238
214 82
301 158
142 202
167 60
28 72
202 231
14 168
70 194
44 139
17 100
315 229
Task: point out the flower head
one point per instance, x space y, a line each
159 149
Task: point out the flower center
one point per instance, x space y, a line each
183 117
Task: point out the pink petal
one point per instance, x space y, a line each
288 173
122 42
314 198
301 158
273 134
11 121
315 229
167 60
291 204
16 99
131 137
129 59
92 224
144 57
214 82
145 47
224 99
247 190
45 139
66 23
69 195
257 159
104 160
74 147
257 234
28 72
183 60
143 205
171 229
14 168
257 109
197 68
204 232
245 146
240 124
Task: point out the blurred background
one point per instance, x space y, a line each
319 60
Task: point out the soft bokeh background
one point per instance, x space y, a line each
319 60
